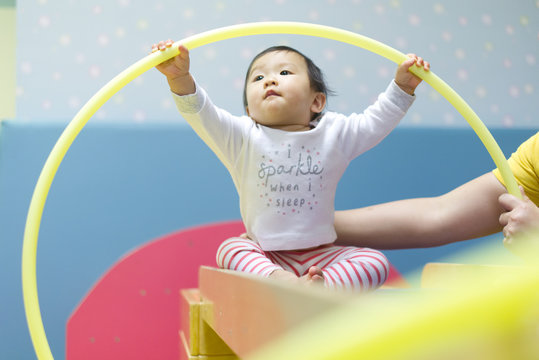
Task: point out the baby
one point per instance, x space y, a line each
286 157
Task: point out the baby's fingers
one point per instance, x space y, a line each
420 62
165 44
162 45
411 59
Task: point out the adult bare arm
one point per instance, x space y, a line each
469 211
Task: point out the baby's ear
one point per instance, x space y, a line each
319 102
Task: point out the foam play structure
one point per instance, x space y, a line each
133 311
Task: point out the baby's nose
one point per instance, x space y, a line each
270 81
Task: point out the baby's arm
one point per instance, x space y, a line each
404 78
176 69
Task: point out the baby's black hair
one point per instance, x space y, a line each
316 77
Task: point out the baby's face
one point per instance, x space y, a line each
279 94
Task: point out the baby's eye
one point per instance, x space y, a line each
258 78
285 72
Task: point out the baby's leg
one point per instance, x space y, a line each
357 268
245 255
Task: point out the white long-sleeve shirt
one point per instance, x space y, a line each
287 181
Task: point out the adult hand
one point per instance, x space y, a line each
521 216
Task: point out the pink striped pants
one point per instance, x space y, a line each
343 267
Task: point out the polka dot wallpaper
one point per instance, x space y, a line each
486 50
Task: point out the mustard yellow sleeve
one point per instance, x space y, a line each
524 164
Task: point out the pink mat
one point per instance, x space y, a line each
133 310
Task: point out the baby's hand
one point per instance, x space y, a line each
176 66
176 69
404 78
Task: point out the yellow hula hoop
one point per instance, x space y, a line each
37 204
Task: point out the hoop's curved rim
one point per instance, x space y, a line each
37 204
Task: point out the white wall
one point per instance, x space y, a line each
486 50
7 60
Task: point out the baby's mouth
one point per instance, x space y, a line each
270 93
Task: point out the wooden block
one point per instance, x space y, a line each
248 311
199 337
451 276
190 319
185 355
210 343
